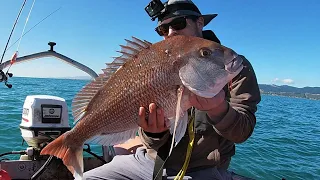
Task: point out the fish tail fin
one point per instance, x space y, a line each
72 157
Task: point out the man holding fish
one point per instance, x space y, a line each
219 123
212 85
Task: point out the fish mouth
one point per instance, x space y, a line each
234 65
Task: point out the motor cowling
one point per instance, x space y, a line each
44 118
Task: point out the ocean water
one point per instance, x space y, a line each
284 144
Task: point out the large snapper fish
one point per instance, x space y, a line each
164 73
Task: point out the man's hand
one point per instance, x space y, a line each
215 107
156 120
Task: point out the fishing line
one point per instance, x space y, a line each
25 24
14 26
33 27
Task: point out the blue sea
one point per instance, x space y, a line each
285 142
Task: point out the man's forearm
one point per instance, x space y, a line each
218 113
236 125
238 122
153 141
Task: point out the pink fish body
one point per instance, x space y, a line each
107 108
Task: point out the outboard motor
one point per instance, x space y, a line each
44 118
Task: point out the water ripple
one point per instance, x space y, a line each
284 144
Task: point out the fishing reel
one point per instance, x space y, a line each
4 78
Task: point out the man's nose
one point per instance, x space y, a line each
172 32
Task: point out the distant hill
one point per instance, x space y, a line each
285 90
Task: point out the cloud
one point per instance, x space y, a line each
283 81
288 81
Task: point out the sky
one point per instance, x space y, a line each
279 38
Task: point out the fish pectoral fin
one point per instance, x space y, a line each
72 157
114 138
178 125
75 160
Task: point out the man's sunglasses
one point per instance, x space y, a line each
176 24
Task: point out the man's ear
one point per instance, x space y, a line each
200 22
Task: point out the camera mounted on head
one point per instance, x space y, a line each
155 9
174 8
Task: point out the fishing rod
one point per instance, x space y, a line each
4 76
15 55
14 26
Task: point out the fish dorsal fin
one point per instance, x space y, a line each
83 98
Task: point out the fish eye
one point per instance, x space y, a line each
205 52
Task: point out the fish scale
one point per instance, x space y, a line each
164 73
154 77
